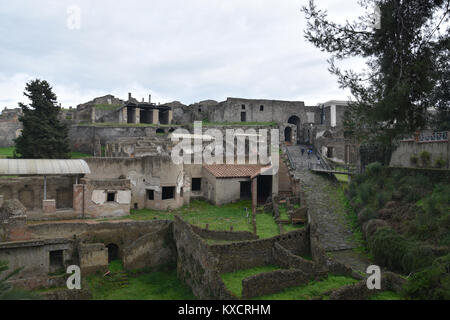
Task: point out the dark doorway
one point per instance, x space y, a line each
111 197
264 188
64 198
163 117
330 152
113 252
146 116
150 194
243 116
168 193
246 190
196 184
160 132
131 115
56 260
296 121
288 134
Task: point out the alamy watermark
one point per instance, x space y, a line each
374 280
231 149
74 280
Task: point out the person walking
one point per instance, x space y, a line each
303 151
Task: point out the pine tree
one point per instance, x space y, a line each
43 135
407 63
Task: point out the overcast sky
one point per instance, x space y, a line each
173 49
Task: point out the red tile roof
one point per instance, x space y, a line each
235 170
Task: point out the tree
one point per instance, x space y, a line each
407 63
43 135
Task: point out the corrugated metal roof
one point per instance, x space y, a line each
42 167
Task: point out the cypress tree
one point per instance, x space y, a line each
43 135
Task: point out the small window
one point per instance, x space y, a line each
111 197
196 184
243 107
261 108
168 193
200 110
150 194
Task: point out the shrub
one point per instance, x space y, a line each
425 157
433 283
414 160
388 248
417 257
374 169
440 163
382 198
365 192
365 215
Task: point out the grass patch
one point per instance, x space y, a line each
6 152
386 295
79 155
162 285
233 280
293 227
201 213
310 290
106 106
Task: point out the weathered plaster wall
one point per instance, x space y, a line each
401 157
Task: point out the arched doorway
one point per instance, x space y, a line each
296 121
288 134
113 252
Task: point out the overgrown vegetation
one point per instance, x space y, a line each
201 213
8 152
140 285
233 280
240 124
411 215
7 292
314 289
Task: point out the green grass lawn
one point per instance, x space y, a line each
201 213
310 290
117 124
8 152
162 285
387 295
233 280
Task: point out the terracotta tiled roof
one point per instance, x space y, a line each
235 170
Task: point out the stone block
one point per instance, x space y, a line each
49 206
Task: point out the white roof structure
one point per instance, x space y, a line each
17 167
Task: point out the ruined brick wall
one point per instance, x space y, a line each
249 254
224 235
196 265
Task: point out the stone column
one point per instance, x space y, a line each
170 117
155 117
137 118
78 195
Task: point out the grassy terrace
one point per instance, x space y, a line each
8 152
201 213
233 281
139 285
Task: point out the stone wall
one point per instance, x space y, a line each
401 157
272 282
249 254
286 259
197 265
224 235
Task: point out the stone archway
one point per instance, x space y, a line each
296 121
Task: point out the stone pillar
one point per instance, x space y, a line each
170 117
93 115
124 115
78 195
137 118
49 206
155 117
